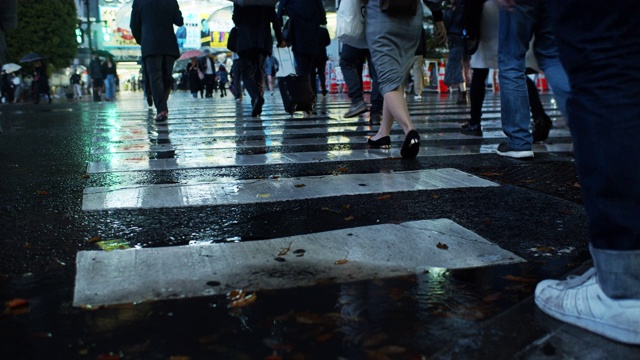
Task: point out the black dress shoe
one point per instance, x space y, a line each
384 141
469 129
541 127
411 145
257 107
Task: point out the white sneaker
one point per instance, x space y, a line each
580 301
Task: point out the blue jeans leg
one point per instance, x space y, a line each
351 63
516 30
604 117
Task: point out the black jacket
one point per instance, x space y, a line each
254 28
152 26
306 16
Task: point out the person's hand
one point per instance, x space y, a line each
283 44
440 33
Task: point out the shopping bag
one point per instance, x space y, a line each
351 27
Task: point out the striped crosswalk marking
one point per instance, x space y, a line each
378 251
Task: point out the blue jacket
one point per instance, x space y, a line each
152 26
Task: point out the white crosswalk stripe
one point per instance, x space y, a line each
211 136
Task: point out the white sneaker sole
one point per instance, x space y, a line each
606 329
516 154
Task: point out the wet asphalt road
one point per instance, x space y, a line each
47 150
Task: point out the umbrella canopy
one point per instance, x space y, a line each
103 53
11 67
31 57
221 20
189 54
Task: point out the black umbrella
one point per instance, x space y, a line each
31 57
103 53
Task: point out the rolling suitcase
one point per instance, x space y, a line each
296 93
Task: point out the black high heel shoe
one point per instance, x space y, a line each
384 141
411 145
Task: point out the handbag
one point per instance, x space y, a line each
399 8
200 74
232 40
350 19
325 38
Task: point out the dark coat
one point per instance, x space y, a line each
306 16
254 28
152 26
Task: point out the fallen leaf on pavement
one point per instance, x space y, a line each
86 176
43 193
350 218
442 246
491 174
544 249
341 262
384 197
286 250
95 239
299 185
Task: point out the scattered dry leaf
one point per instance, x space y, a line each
491 174
86 176
544 249
341 262
384 197
299 185
239 298
442 246
16 303
577 185
435 196
343 169
286 250
95 239
43 193
346 207
350 218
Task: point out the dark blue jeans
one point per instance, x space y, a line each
351 63
159 68
603 65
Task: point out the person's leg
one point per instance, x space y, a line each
545 47
167 69
351 64
376 98
516 29
320 67
153 65
478 90
416 73
604 117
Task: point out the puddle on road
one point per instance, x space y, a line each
405 317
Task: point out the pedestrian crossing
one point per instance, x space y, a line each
203 135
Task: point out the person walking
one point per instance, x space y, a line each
417 68
207 66
152 26
458 62
486 18
75 83
271 67
97 77
17 87
235 86
41 82
193 71
254 43
604 118
222 76
110 74
520 20
306 17
392 39
352 63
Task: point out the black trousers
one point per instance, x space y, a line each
252 70
159 68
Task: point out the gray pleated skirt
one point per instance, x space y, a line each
392 42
